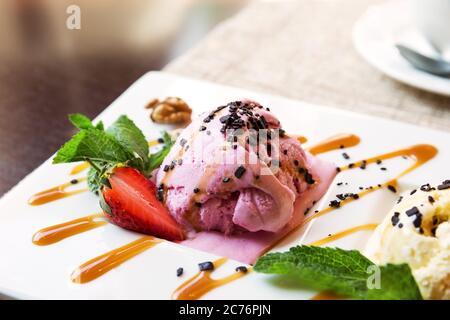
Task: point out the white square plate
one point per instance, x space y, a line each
43 272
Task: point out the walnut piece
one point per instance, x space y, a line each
171 110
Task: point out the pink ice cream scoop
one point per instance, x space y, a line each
234 170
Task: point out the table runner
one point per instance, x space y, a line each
303 50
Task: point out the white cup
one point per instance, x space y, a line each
432 18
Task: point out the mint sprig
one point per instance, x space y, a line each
122 143
341 271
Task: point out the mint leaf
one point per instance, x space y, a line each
80 121
123 143
341 271
157 158
395 279
92 144
130 137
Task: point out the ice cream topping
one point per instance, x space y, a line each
244 175
417 232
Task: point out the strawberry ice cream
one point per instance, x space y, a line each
234 172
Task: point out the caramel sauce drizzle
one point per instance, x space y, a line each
342 234
327 295
202 283
55 193
98 266
67 229
79 168
421 153
302 139
343 140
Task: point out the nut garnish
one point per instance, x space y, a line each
171 110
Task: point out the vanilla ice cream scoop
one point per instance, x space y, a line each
417 231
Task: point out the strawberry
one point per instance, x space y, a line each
132 204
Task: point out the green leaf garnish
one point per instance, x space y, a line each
122 144
92 144
129 136
341 271
157 158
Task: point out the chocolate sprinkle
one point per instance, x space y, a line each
413 211
443 186
242 269
206 266
392 188
395 218
426 188
335 204
239 172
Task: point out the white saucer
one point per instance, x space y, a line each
375 35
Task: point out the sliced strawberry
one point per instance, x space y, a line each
133 205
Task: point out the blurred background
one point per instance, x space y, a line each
48 70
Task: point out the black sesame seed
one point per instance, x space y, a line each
180 162
239 172
226 179
339 183
383 168
341 146
196 190
338 169
202 128
346 156
431 199
179 272
379 161
400 199
351 165
208 132
74 181
285 152
160 140
400 225
183 142
206 266
166 168
296 162
412 192
198 204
